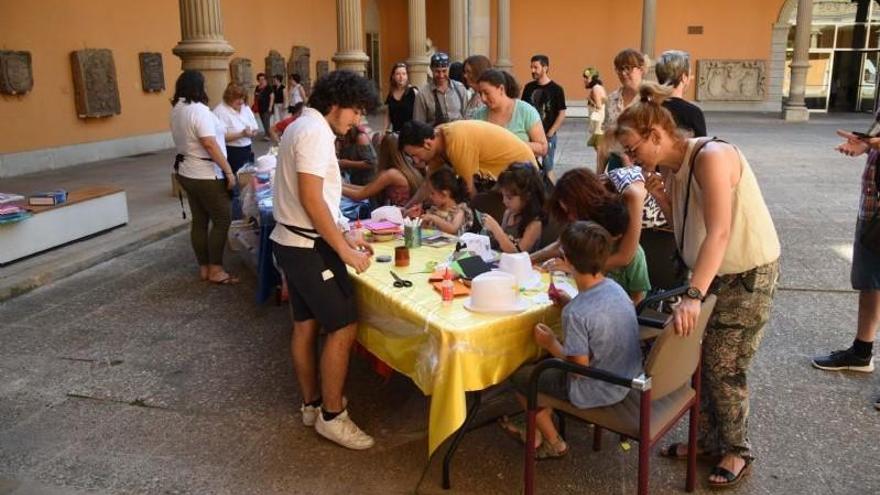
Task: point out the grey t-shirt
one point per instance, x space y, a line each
601 323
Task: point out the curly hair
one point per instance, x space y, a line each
583 194
190 87
345 89
522 179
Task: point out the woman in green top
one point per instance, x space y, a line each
498 90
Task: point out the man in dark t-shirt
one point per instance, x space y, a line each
549 99
673 69
264 96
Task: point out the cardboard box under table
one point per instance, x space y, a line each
445 349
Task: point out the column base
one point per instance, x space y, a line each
505 65
795 114
353 61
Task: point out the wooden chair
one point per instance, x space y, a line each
669 388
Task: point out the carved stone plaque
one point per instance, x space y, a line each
95 84
300 63
241 72
275 66
16 76
731 80
152 73
322 67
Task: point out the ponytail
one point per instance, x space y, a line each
648 112
501 78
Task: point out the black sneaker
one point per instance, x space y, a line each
844 360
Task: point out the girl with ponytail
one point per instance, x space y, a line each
726 238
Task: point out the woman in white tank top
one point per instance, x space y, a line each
726 238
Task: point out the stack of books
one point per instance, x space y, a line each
50 198
10 214
8 198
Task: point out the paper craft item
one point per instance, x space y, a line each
380 226
479 245
438 240
390 213
471 267
458 288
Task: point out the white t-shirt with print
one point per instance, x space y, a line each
307 146
236 122
189 122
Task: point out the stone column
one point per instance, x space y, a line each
350 37
418 58
458 30
503 62
202 46
796 108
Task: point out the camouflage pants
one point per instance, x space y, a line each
732 337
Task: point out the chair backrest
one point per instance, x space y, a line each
490 202
673 359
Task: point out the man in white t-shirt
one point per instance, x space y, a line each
312 246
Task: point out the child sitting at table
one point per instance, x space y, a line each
523 194
600 330
449 211
634 276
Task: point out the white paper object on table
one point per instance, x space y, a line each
566 287
390 213
479 245
520 266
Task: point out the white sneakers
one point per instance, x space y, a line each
343 431
309 414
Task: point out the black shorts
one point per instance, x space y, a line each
319 285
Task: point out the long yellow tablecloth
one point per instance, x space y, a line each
445 350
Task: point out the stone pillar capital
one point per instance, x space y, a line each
202 46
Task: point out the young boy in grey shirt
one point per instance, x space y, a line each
601 331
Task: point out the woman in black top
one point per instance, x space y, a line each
673 69
401 98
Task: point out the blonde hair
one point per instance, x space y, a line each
233 92
648 112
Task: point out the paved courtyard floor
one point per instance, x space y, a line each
134 377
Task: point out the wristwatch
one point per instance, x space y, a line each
694 293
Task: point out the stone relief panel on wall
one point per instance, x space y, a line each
300 63
96 90
322 67
241 72
275 66
731 80
16 75
152 72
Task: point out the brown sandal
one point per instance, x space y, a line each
227 280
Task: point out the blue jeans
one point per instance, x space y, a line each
548 160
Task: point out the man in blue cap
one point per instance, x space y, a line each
442 99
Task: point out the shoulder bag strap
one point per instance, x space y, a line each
439 115
687 194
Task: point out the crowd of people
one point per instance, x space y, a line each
470 152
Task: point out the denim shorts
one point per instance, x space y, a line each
865 275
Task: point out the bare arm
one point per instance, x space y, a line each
556 124
386 178
548 252
537 139
311 193
634 197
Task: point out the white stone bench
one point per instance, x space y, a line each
87 212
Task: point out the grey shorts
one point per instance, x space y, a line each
553 382
865 275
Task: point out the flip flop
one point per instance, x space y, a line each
227 280
732 479
547 452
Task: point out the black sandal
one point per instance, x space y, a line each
732 480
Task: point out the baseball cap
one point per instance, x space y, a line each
439 59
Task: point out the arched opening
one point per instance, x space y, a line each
844 54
